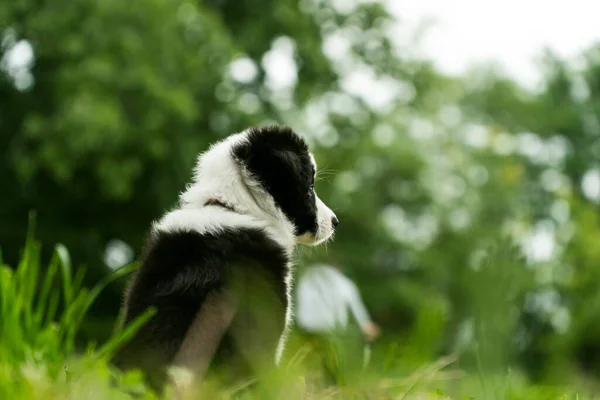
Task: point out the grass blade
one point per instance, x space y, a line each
110 347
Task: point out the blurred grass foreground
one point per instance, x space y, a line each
38 358
469 205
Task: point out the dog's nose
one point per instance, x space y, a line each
335 221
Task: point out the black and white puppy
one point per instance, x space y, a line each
217 269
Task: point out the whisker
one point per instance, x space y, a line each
320 173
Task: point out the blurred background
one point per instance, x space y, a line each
459 144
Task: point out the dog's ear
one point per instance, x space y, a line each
248 154
269 162
274 143
242 153
289 159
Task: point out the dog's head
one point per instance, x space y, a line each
270 170
282 164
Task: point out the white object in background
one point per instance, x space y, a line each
324 296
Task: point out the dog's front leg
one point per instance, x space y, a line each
258 327
202 341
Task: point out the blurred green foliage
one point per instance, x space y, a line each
465 217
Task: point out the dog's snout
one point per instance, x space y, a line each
335 221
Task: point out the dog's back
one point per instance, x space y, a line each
181 267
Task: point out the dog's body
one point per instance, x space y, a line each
219 266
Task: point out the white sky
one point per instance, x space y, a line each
512 32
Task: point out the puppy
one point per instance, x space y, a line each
217 269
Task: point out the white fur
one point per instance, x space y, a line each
325 226
182 377
204 220
217 175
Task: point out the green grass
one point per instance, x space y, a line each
42 308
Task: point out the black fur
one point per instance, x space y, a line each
177 272
279 159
